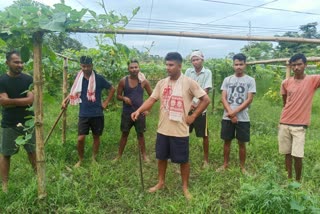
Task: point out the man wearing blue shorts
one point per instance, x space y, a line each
175 94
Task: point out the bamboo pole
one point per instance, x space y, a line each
65 94
38 108
270 61
198 35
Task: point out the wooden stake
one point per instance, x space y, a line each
65 94
38 109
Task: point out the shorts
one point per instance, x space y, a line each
127 123
200 125
240 131
174 148
8 145
291 140
96 124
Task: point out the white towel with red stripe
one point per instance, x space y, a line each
77 88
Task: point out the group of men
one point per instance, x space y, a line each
183 102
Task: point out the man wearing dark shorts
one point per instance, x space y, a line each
15 98
87 91
130 91
237 94
203 76
175 94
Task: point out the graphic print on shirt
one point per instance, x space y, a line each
172 104
237 93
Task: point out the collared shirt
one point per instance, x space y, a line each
203 78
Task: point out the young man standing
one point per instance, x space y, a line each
130 91
237 94
87 91
203 77
15 98
175 94
297 93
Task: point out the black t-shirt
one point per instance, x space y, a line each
15 87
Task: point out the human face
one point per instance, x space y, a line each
133 69
239 67
15 65
197 62
173 69
87 69
298 67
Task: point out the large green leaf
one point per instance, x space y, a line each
57 23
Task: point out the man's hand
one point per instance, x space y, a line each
127 101
135 115
232 114
190 119
234 119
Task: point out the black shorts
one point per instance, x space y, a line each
200 125
174 148
240 130
127 123
96 124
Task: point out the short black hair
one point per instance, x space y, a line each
297 57
10 53
240 57
174 56
86 60
133 61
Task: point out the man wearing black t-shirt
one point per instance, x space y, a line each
15 98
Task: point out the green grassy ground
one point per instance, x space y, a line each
109 187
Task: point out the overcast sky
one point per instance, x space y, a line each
219 17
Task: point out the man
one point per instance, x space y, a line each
175 94
203 77
237 94
15 98
130 91
87 91
297 93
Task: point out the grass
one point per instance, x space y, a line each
109 187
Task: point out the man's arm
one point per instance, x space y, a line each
111 93
204 101
146 106
5 101
148 87
120 96
284 99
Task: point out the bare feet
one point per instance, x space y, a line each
244 171
205 165
5 187
77 165
187 194
221 168
116 159
146 159
156 187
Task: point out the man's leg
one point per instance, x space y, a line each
162 167
122 144
226 153
96 145
206 150
33 160
142 146
298 168
80 147
288 164
4 169
185 173
242 156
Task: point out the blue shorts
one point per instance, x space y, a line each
174 148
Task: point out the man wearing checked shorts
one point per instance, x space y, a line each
297 93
